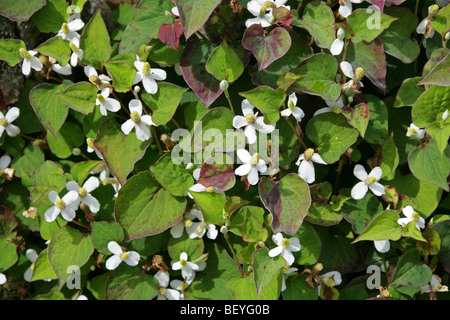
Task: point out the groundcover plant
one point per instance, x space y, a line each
224 149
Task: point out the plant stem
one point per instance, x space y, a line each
234 254
227 95
296 133
385 267
338 177
155 136
80 224
121 104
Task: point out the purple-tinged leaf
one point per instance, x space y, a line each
20 10
266 48
192 65
170 34
218 175
358 117
194 14
288 200
378 3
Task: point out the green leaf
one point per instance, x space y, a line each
9 51
267 100
266 48
397 38
57 48
311 245
211 205
320 71
265 268
165 102
409 92
9 252
42 268
364 27
211 285
377 129
411 231
70 136
288 200
297 288
68 247
121 70
150 15
224 64
388 158
28 122
95 42
443 229
332 134
318 19
51 17
321 212
194 14
51 111
131 284
411 270
431 104
52 295
110 139
358 117
439 74
81 170
80 96
427 164
383 227
31 158
440 133
248 223
103 232
194 248
20 10
144 208
441 22
49 174
175 178
245 289
132 40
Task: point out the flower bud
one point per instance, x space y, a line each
224 85
341 34
223 229
137 89
189 166
76 151
447 36
445 115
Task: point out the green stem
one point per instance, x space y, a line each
227 95
155 136
385 267
338 177
296 133
234 254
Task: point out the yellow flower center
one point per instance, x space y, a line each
309 154
25 53
65 28
416 216
291 105
100 98
82 192
90 143
335 110
124 256
162 291
329 282
432 11
318 267
73 47
187 223
135 117
411 131
60 204
210 189
285 243
436 287
94 79
32 266
146 69
183 262
285 268
255 159
266 6
359 74
3 122
201 227
2 173
370 180
250 118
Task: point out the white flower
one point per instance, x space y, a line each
332 278
382 246
5 161
175 11
138 121
6 122
445 115
433 286
69 29
2 279
91 148
187 268
346 8
66 70
198 229
252 164
84 193
130 257
306 167
293 109
285 247
66 206
251 122
29 61
414 130
82 297
101 81
367 182
164 293
333 106
262 10
284 275
180 286
411 215
106 103
77 54
338 43
425 28
148 76
31 255
355 75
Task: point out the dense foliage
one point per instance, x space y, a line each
227 149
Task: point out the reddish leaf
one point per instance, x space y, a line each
170 34
283 15
220 176
266 48
378 3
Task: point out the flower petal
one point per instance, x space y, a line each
275 251
247 107
133 258
150 85
306 171
243 169
336 47
347 69
253 177
12 114
68 213
244 155
382 246
250 133
359 190
239 121
360 172
127 126
114 248
113 262
376 172
377 189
